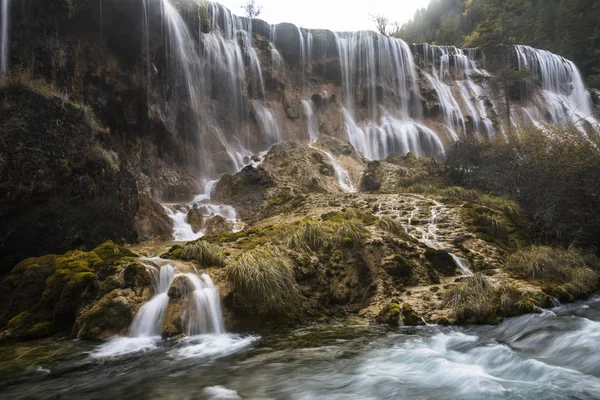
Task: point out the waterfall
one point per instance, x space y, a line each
461 264
382 69
437 69
563 97
204 316
4 36
344 180
149 319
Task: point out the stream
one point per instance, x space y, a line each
553 355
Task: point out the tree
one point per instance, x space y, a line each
381 23
252 9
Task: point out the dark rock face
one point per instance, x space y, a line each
61 189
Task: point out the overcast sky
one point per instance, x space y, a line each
336 15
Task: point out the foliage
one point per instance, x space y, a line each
565 27
265 281
553 174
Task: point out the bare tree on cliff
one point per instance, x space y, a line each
252 9
381 23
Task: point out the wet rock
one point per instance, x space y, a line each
109 317
441 261
195 219
216 225
151 222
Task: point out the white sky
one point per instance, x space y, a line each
336 15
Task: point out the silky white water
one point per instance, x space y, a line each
149 319
205 315
4 35
563 97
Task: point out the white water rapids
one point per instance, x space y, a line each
549 356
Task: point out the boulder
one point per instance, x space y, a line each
151 222
216 225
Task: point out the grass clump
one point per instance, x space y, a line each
492 225
264 281
350 233
311 236
565 274
476 300
207 254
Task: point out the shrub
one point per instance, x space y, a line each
553 174
264 281
207 254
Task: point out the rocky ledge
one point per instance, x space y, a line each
408 249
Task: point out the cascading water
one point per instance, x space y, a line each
370 62
437 69
563 97
182 230
4 35
344 180
461 264
204 316
149 319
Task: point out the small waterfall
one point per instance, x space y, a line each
182 230
204 316
267 122
563 97
4 35
149 319
313 132
461 264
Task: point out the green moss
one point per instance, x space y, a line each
19 320
40 330
390 314
410 317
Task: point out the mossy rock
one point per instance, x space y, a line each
410 317
174 253
111 316
390 314
136 277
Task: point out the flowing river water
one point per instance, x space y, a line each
553 355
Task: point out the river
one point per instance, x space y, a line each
553 355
